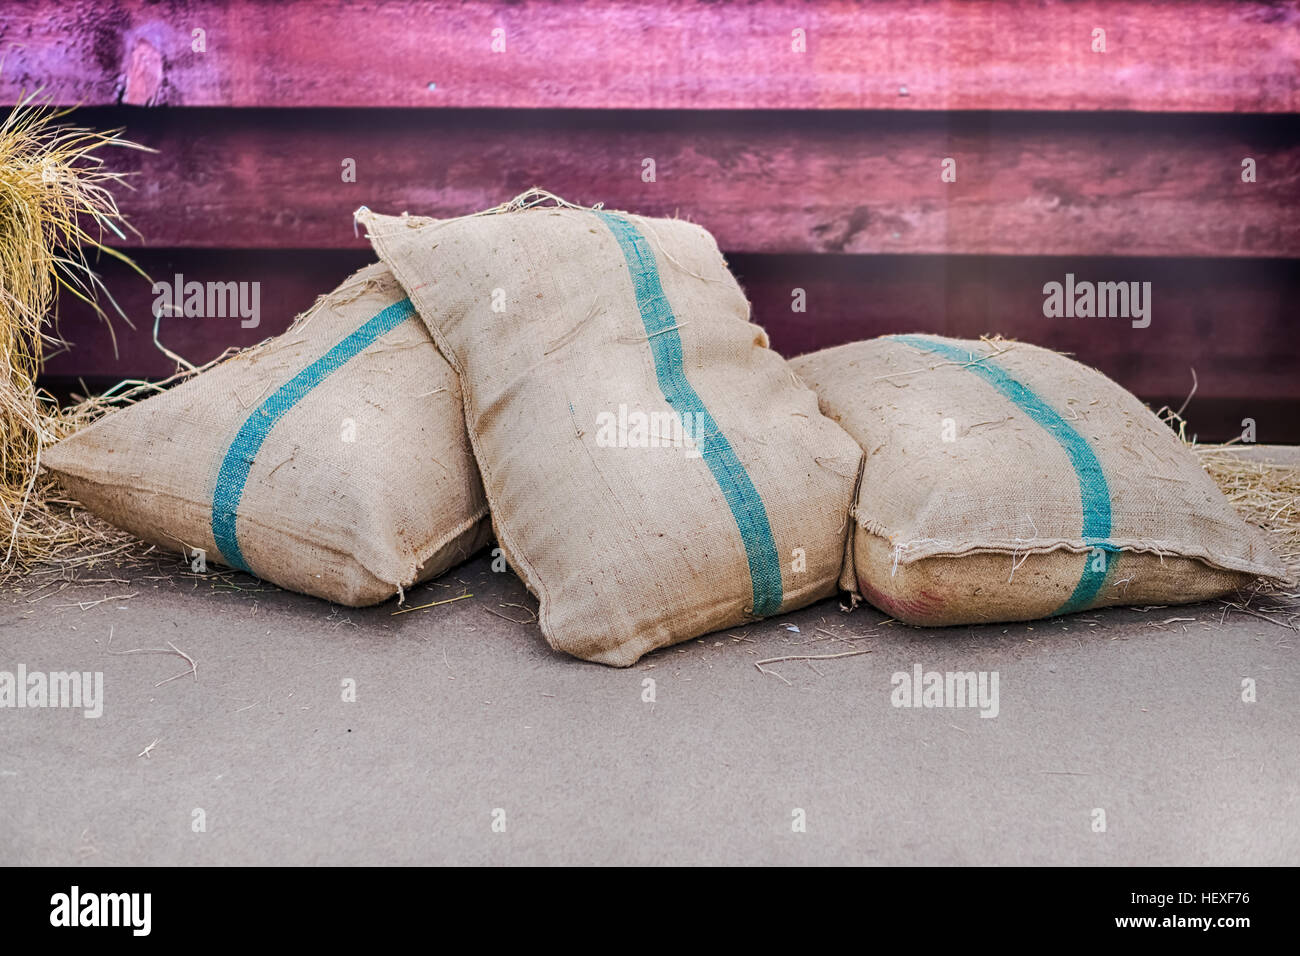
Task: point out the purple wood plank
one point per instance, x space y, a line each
1230 320
1057 184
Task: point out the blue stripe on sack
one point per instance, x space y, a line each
666 347
238 461
1094 492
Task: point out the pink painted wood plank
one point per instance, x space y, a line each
1051 184
1204 56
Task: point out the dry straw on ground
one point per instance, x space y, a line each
56 207
1266 494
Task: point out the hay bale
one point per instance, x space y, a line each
53 187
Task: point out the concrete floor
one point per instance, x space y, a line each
460 712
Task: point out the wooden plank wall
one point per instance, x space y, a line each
818 169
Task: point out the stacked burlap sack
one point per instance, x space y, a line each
331 460
1005 482
653 470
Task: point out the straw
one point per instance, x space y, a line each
1265 493
55 206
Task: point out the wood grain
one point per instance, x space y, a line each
1232 321
1051 184
1161 56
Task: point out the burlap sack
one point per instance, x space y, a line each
1004 482
570 329
331 460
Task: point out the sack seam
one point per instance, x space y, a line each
950 549
504 538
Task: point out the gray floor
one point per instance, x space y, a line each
461 712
